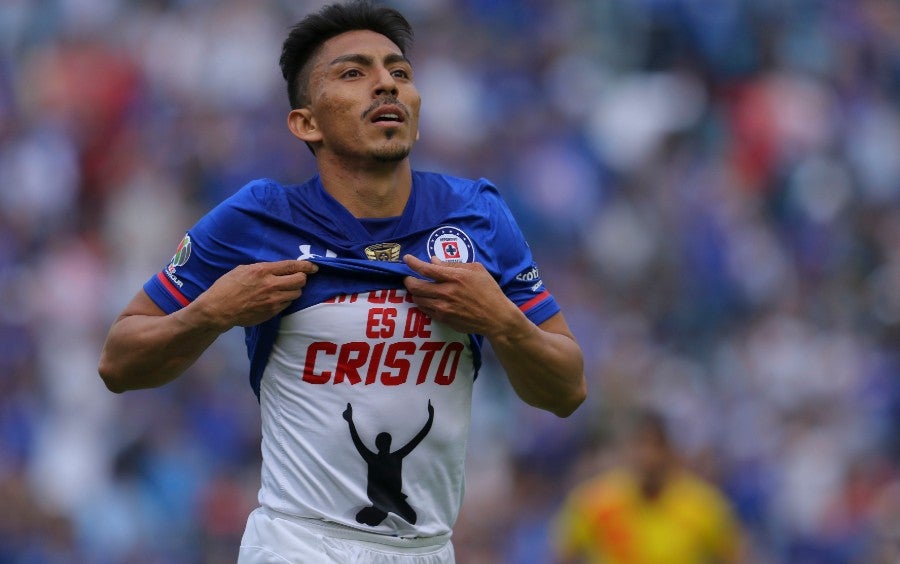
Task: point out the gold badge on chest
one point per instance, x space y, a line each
387 252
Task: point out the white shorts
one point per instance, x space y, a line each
276 538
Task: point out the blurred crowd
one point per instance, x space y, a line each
711 189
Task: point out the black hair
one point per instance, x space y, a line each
308 35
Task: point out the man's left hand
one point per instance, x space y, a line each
463 295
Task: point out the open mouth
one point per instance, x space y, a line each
388 118
388 114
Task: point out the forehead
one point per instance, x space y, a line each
356 42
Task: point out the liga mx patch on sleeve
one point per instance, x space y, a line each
183 252
450 244
169 275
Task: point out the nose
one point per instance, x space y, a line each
385 85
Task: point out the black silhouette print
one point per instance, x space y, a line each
385 473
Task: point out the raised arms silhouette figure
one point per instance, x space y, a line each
385 474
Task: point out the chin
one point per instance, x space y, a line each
392 154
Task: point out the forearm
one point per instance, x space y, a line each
147 348
544 363
544 367
147 351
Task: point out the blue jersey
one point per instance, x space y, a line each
354 338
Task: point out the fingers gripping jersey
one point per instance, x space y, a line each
365 400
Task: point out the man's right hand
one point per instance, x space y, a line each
147 348
253 293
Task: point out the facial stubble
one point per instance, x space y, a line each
393 153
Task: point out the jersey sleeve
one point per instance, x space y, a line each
520 277
221 240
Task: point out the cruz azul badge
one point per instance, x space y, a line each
450 244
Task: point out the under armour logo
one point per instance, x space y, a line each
306 253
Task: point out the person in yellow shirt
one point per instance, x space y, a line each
650 511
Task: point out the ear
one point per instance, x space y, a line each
303 125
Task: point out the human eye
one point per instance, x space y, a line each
401 73
351 73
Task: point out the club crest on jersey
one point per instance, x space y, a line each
182 253
385 252
450 244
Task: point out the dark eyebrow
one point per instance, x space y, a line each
366 60
396 58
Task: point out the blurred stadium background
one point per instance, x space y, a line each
711 188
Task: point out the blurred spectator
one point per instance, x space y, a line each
650 509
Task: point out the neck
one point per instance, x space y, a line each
653 482
368 191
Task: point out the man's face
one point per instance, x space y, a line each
650 453
362 98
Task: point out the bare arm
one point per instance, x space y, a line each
146 348
543 362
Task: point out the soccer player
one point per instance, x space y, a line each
366 294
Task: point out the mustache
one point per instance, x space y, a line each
389 101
